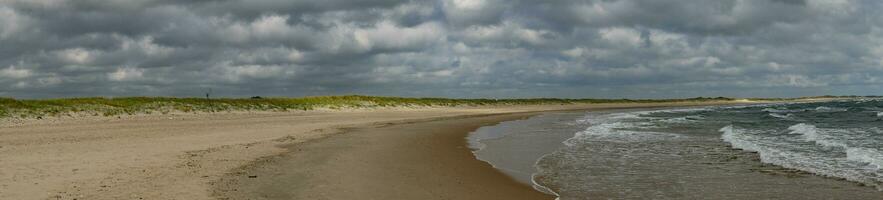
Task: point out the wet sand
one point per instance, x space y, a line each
514 147
427 160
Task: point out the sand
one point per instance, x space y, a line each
181 157
432 161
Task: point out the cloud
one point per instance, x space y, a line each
464 13
386 35
451 48
75 55
12 22
13 72
126 74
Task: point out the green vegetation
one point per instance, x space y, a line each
99 106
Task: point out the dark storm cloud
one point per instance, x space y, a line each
453 48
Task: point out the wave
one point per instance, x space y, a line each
758 105
865 155
813 134
739 140
821 137
612 132
607 118
778 153
829 109
684 119
786 110
780 116
810 132
612 128
774 110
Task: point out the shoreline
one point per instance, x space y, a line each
537 136
180 157
422 160
292 175
519 145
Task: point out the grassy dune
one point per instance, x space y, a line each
99 106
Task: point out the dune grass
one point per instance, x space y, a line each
100 106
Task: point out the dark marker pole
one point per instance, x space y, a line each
208 99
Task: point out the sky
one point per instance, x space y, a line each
441 48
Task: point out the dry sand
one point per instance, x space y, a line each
180 157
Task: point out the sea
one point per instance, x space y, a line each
815 150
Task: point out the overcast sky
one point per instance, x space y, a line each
441 48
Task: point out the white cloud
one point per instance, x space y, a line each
244 72
506 33
621 36
575 52
11 22
15 72
593 13
468 4
835 7
386 35
270 55
49 81
267 28
295 56
144 45
76 55
668 39
272 25
126 74
795 80
464 13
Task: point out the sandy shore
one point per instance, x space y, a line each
181 157
426 160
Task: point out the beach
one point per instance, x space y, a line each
440 99
426 160
200 156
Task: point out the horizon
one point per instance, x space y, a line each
632 49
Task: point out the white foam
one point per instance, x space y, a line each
607 118
773 110
739 140
865 155
813 134
879 114
757 105
684 119
777 153
810 132
768 153
609 127
687 109
780 116
829 109
735 139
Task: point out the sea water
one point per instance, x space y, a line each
819 150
